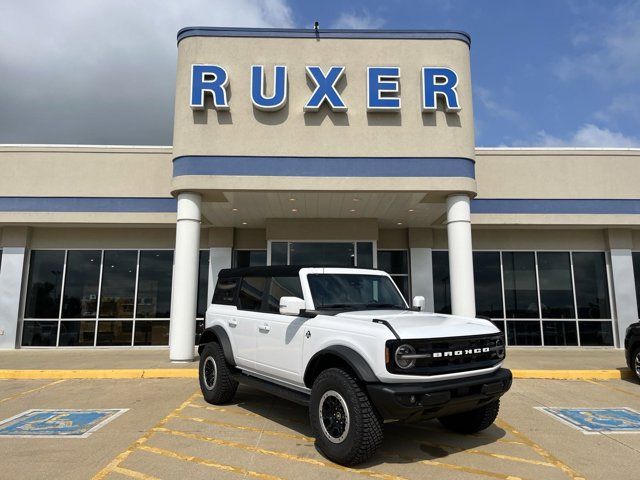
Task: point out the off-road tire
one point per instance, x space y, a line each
635 362
223 387
472 421
364 431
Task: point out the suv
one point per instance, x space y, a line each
344 343
632 348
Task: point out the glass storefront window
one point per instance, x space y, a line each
114 333
151 332
44 284
118 284
560 333
81 284
328 254
396 264
441 292
75 333
203 283
524 332
556 291
279 253
488 284
592 291
365 254
39 333
249 258
154 284
636 275
520 292
596 334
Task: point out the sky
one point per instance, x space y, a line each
545 73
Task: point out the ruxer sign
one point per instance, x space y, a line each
382 89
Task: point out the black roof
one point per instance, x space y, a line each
272 271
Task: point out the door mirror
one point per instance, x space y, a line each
420 303
291 305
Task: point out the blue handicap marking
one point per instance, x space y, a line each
598 420
57 422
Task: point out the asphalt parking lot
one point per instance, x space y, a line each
169 432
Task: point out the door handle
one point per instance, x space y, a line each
233 322
265 328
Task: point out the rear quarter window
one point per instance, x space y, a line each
225 291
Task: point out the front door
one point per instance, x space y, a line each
280 337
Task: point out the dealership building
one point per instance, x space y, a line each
330 147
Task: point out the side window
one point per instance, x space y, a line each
251 293
225 291
282 287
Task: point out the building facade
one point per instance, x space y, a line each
351 148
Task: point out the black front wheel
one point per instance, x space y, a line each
347 428
635 362
216 382
472 421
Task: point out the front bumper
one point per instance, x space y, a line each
420 401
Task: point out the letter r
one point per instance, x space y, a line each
211 79
439 82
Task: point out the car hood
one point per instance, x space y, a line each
409 324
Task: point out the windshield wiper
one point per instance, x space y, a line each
384 305
337 305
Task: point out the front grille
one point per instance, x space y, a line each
448 355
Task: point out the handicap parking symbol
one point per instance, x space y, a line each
597 420
57 423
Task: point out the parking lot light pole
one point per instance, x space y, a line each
460 255
184 293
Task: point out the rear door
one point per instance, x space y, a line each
244 323
280 337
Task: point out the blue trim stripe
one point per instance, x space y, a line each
557 206
324 33
324 166
87 204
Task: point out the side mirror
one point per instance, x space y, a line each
420 303
291 306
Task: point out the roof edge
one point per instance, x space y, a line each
199 31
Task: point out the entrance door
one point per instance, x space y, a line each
325 254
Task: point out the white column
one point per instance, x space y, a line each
14 241
184 292
219 258
463 300
624 292
422 275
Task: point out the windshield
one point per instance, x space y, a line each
354 292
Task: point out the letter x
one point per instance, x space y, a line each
325 89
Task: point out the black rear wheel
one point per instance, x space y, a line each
472 421
348 430
216 383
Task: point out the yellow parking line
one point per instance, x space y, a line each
614 374
139 442
232 411
611 387
26 392
570 472
275 453
134 474
274 433
113 374
472 470
208 463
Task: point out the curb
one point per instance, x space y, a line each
123 374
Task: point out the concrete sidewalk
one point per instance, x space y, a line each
567 363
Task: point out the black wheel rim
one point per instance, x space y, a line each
209 373
637 364
334 416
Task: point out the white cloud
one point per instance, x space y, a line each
494 107
103 71
586 136
359 20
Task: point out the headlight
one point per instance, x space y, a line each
400 356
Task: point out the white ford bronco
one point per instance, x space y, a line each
344 343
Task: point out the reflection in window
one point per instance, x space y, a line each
636 274
249 258
114 333
39 333
151 332
488 284
327 254
560 333
251 291
282 287
203 283
278 253
44 284
81 284
596 334
154 284
556 291
395 263
365 254
524 332
74 333
592 293
520 292
118 284
441 292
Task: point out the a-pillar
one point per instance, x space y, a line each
184 293
460 255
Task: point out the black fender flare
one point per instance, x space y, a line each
348 355
218 334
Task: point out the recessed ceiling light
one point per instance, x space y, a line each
352 210
399 223
411 210
244 223
234 209
355 199
294 210
291 199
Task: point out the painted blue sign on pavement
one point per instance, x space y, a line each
57 423
597 420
